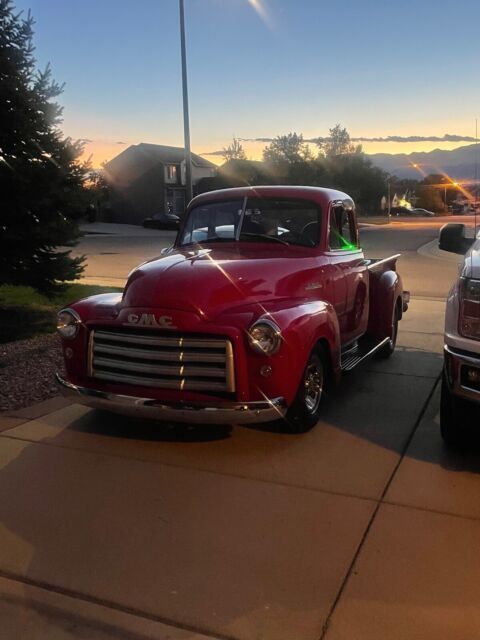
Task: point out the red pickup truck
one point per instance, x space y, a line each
262 303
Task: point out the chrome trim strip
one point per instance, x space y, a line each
72 312
183 370
164 341
146 354
230 369
350 367
162 383
379 263
221 413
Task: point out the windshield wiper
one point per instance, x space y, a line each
263 236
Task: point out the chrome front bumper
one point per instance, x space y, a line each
454 361
222 413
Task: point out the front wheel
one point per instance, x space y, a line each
453 417
304 412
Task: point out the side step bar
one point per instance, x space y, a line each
360 352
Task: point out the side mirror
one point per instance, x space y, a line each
166 250
452 238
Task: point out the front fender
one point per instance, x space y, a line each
302 326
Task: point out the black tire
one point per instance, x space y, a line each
304 412
389 348
453 417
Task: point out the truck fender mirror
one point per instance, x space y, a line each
452 238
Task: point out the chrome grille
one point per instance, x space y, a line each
179 362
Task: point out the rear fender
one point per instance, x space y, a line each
385 292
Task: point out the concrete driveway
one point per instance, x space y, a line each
364 528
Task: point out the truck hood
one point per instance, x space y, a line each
210 281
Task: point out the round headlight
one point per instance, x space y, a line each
265 337
68 322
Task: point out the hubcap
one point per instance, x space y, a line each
313 383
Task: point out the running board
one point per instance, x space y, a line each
363 350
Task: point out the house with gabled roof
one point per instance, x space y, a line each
145 179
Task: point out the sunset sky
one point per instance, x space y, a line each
261 68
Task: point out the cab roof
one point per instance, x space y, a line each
320 195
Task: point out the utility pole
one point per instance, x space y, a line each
186 124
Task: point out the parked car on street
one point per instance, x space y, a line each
405 211
261 305
163 220
460 399
422 212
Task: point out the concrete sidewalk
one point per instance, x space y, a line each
364 528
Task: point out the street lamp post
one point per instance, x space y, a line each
389 204
186 125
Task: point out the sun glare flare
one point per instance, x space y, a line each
261 10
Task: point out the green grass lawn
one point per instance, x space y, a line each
25 313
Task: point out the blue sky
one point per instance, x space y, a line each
260 68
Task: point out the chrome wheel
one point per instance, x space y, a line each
313 383
303 413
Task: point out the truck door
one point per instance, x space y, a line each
349 273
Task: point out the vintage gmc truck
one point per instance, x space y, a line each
460 399
262 303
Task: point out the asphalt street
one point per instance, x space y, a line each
365 528
112 252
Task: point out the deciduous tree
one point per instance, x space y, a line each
287 149
338 143
234 151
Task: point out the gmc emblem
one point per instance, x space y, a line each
149 320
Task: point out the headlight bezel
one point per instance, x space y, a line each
275 335
68 330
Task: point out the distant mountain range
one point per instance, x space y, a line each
459 163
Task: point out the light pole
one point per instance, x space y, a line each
389 205
186 125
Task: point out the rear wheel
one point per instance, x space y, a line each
304 412
389 348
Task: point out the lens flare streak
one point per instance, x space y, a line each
265 312
259 7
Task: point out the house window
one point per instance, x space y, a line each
172 173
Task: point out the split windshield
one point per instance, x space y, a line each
275 220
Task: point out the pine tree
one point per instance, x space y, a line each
41 179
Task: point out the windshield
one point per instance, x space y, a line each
275 220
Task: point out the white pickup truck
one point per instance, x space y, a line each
460 401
